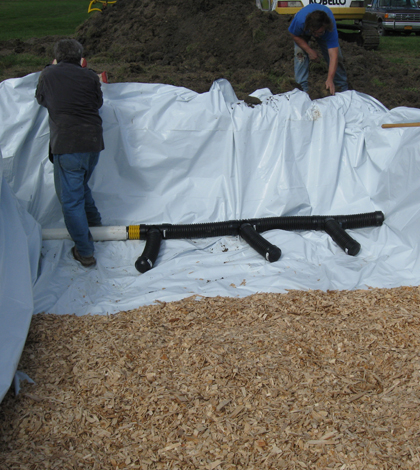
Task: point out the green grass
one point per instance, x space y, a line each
393 44
20 59
377 82
401 50
24 19
398 48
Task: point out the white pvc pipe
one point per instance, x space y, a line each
98 233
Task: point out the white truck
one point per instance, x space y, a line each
347 13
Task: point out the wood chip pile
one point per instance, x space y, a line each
303 380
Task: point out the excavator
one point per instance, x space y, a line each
347 13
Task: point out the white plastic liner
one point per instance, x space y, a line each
20 246
175 156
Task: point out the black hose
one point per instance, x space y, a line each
259 243
150 252
341 237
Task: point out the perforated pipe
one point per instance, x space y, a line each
214 229
150 252
260 244
249 229
217 229
341 237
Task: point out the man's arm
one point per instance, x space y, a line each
39 92
329 84
313 55
99 99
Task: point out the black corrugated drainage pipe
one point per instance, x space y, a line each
343 239
150 252
249 229
259 243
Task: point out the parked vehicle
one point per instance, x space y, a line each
400 16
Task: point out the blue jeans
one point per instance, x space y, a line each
302 67
72 172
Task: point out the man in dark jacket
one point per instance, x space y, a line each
73 96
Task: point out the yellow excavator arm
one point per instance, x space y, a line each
104 4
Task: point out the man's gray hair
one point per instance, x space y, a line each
68 50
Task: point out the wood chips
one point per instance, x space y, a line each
303 380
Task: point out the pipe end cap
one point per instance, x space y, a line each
143 265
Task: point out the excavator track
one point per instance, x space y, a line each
364 36
370 38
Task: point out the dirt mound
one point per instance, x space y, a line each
192 43
208 34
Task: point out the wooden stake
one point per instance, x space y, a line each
403 124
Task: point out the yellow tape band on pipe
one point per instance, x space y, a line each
134 232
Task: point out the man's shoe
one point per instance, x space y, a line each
86 261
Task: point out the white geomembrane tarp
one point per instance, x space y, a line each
175 156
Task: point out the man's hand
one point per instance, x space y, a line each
329 85
313 55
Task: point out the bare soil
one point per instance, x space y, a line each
191 43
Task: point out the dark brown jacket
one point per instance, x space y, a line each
73 96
